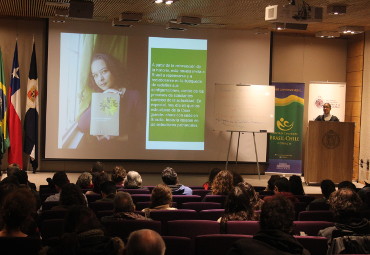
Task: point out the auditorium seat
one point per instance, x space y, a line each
140 198
319 206
201 192
135 191
123 228
20 245
177 245
92 197
310 228
141 205
53 214
314 244
49 204
51 230
199 206
316 216
164 216
242 227
215 244
192 228
215 198
179 199
211 214
101 206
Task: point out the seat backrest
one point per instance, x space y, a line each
52 214
199 206
141 205
318 206
316 245
242 227
20 245
122 229
215 244
135 191
180 199
192 228
177 245
167 215
101 206
215 198
201 192
140 198
92 197
211 214
316 216
47 205
52 228
310 228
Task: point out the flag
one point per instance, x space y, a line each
32 113
15 128
4 135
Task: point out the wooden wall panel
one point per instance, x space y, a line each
354 79
355 63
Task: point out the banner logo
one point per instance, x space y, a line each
331 139
284 125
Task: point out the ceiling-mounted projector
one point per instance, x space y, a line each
293 14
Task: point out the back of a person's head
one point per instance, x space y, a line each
80 219
169 176
60 179
84 181
97 167
108 188
237 178
98 179
278 214
11 169
282 184
118 174
21 176
71 195
212 174
347 185
223 183
161 195
271 182
133 179
296 186
345 204
18 205
123 202
145 242
238 200
327 187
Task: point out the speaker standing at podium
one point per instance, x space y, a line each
326 116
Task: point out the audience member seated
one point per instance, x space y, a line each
296 187
255 200
364 194
161 199
24 183
327 187
98 179
97 167
124 209
133 180
58 181
13 169
108 191
169 177
347 185
145 242
16 214
84 235
71 195
238 206
345 204
282 188
223 183
118 176
276 222
271 182
207 185
84 181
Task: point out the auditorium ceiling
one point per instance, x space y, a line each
218 14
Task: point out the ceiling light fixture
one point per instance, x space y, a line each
118 23
278 26
351 30
327 34
168 2
176 26
336 9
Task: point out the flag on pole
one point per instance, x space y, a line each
32 113
15 128
4 135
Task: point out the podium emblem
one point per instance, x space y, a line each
331 139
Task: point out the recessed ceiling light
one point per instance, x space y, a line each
327 34
336 9
351 30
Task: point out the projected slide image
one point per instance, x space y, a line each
92 93
176 93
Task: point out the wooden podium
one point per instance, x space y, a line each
329 151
